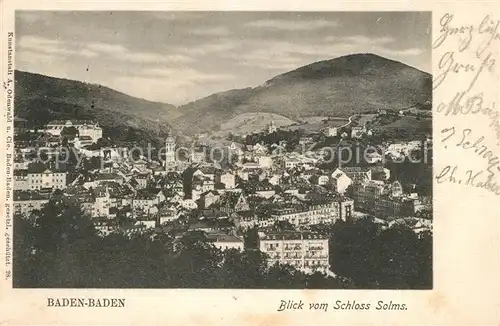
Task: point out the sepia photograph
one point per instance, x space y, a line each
223 150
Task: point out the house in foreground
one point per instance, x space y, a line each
306 251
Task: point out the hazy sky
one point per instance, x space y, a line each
177 57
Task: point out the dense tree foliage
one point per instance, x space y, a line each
63 249
372 257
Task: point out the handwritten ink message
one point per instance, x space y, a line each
474 145
468 63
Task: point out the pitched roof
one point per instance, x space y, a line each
223 238
20 195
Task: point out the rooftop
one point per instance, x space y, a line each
223 238
28 195
292 235
73 122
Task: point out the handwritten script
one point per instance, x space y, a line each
467 61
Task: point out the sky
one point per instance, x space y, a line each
178 57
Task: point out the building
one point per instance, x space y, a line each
319 179
209 198
82 141
311 212
103 202
403 148
355 173
233 202
373 157
166 215
340 181
205 172
265 162
20 125
144 202
271 127
306 251
227 179
330 131
225 241
289 163
383 200
105 226
83 128
39 177
357 132
198 155
305 140
170 156
264 190
25 202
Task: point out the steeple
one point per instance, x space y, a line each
169 151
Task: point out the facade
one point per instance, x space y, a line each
357 132
103 202
226 241
82 141
25 202
356 174
169 152
209 198
197 156
374 158
84 128
330 131
290 163
227 179
38 177
304 250
271 128
326 212
320 179
383 200
340 181
233 202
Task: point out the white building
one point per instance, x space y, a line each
25 202
38 177
340 181
357 132
290 162
103 202
265 162
271 127
324 212
84 128
304 250
373 157
226 241
330 131
227 179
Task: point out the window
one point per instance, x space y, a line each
348 211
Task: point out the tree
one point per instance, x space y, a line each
283 226
69 131
23 266
251 238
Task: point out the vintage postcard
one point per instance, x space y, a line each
218 163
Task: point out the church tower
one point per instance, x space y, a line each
169 151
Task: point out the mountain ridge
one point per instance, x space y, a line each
336 87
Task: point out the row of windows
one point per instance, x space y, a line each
47 183
40 175
55 186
